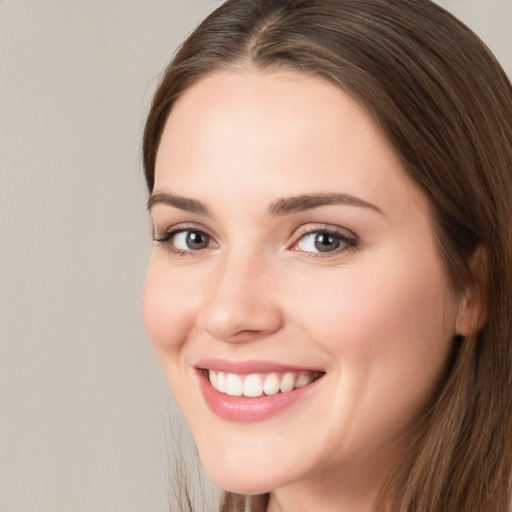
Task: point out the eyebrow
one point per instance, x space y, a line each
182 203
306 202
280 207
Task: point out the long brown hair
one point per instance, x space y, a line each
445 105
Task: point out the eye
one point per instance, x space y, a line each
191 240
324 241
184 241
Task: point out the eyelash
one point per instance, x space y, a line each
349 242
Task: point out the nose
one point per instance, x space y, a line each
239 304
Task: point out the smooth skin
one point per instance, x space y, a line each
240 281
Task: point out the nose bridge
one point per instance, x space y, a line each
238 304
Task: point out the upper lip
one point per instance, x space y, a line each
249 367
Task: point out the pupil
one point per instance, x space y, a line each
324 242
197 240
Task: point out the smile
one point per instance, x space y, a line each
257 385
251 391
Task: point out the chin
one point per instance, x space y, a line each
241 478
234 481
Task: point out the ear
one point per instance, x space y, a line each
473 311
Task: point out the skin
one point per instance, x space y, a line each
377 318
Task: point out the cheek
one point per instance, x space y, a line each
371 306
168 319
389 337
388 329
166 309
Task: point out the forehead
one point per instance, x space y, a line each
277 129
276 100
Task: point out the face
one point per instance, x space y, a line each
295 295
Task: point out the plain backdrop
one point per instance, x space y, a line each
85 414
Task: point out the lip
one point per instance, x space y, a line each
245 409
248 367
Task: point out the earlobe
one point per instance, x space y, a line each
473 310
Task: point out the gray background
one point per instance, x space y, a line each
85 412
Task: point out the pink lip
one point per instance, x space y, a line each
247 367
244 409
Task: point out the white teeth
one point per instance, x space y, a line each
221 382
303 380
287 382
271 384
212 375
256 385
253 386
234 385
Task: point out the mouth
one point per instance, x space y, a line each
257 385
256 390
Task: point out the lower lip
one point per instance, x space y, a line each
243 409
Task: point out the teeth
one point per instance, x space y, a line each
256 385
253 386
287 382
213 378
234 385
303 380
221 382
271 384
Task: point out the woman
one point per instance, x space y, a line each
330 288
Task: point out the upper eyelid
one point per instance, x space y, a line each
176 228
306 229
